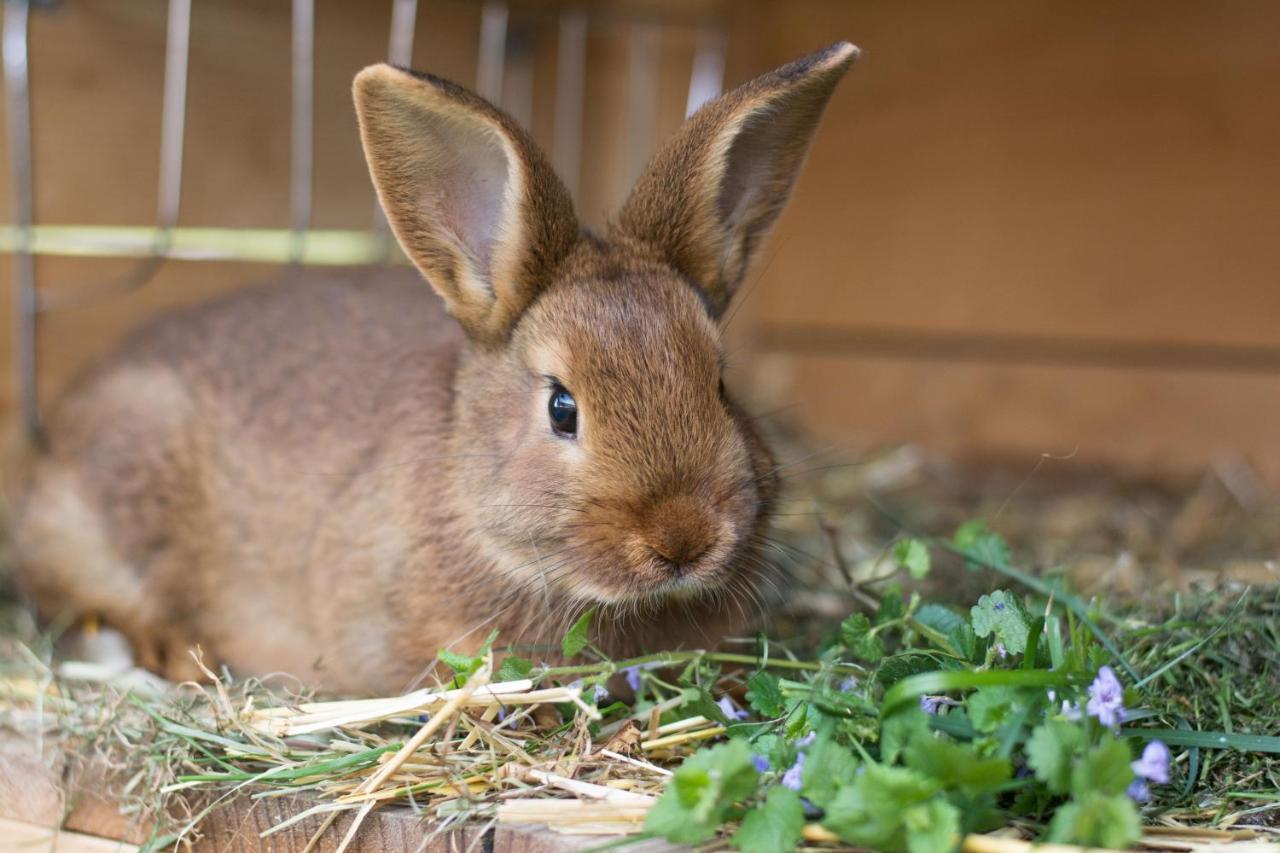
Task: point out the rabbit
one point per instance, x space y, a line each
336 475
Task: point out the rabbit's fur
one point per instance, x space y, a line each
333 477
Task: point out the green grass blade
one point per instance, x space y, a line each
1208 740
911 688
1189 652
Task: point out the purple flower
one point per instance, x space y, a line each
1001 651
806 740
1154 763
761 763
1070 710
1106 698
1139 792
600 691
793 778
848 685
729 710
930 704
632 674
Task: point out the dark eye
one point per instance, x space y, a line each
563 410
722 391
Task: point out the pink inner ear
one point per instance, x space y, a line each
757 165
462 173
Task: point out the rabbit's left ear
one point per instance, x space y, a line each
707 199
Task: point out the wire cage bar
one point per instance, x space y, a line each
299 243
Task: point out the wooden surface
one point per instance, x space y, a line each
53 791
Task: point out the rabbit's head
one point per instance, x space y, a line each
595 453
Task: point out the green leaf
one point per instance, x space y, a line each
702 704
932 827
990 707
957 767
576 639
892 606
898 731
513 669
1097 820
1105 768
912 555
942 619
773 827
871 811
462 665
1051 752
702 791
764 695
1001 614
827 767
855 632
984 547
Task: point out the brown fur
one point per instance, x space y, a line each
329 477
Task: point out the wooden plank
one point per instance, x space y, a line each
52 791
1174 423
19 835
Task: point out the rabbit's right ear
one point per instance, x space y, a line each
472 201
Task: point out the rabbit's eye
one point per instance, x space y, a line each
563 410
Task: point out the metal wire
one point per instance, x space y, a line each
493 50
404 17
642 98
303 123
169 193
571 62
706 82
18 121
174 112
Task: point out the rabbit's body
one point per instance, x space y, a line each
265 498
334 477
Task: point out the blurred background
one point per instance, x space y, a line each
1026 227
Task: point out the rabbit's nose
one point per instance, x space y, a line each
680 530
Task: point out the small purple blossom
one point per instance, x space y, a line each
632 674
930 704
1000 605
1001 651
794 777
730 710
849 684
1106 698
1139 792
600 691
1070 710
761 763
806 740
1154 763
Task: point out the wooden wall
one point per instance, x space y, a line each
1027 226
1091 187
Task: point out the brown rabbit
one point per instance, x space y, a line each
333 478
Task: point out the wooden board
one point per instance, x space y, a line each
54 791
